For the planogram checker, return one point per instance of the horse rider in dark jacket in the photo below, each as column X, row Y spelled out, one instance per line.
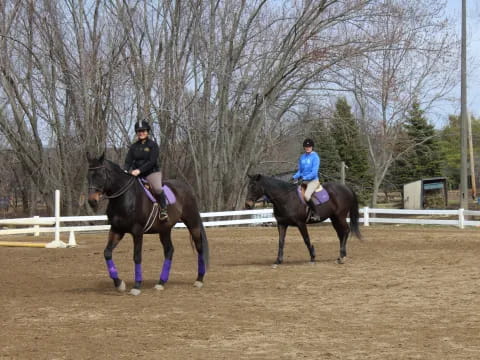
column 142, row 160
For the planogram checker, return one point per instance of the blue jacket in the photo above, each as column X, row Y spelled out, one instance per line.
column 308, row 166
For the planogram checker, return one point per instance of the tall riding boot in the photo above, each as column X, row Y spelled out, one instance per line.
column 162, row 203
column 314, row 217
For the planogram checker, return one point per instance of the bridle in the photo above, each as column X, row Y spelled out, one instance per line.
column 119, row 193
column 260, row 197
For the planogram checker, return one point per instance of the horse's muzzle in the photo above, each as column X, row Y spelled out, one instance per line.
column 249, row 204
column 93, row 199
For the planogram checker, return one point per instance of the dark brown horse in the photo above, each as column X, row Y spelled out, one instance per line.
column 130, row 210
column 290, row 210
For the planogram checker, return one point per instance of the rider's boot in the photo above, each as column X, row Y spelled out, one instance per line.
column 162, row 203
column 314, row 217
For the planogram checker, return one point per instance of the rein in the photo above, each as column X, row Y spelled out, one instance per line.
column 120, row 192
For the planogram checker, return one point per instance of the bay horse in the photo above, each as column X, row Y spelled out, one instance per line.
column 290, row 210
column 130, row 210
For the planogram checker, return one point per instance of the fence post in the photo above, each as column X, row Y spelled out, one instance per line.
column 365, row 216
column 57, row 243
column 36, row 226
column 461, row 219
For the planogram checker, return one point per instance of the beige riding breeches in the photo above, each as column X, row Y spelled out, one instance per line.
column 155, row 181
column 311, row 186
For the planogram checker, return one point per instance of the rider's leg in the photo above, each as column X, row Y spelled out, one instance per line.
column 162, row 202
column 155, row 181
column 311, row 186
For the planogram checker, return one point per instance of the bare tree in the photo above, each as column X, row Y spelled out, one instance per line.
column 220, row 80
column 252, row 65
column 56, row 77
column 416, row 63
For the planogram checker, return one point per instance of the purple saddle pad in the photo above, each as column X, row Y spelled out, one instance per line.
column 318, row 197
column 169, row 194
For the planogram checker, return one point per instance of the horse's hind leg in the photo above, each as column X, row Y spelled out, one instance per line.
column 168, row 249
column 343, row 231
column 306, row 239
column 113, row 240
column 199, row 238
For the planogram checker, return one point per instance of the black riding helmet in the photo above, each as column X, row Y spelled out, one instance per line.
column 142, row 125
column 308, row 142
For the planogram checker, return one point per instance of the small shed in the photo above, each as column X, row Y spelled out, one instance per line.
column 426, row 194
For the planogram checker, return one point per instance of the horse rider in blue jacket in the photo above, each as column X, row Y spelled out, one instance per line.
column 308, row 167
column 142, row 160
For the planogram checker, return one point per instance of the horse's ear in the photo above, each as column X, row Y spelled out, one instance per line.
column 257, row 177
column 102, row 157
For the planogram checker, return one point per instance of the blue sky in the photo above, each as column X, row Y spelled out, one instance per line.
column 454, row 10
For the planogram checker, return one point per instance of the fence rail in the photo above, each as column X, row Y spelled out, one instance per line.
column 56, row 224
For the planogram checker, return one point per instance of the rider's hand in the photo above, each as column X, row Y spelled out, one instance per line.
column 135, row 172
column 296, row 181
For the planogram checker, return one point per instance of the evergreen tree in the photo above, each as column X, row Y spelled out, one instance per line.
column 450, row 147
column 351, row 149
column 420, row 145
column 326, row 148
column 425, row 159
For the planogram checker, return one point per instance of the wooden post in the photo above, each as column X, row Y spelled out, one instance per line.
column 342, row 172
column 472, row 158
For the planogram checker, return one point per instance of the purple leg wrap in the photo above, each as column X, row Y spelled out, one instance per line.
column 201, row 265
column 166, row 270
column 138, row 272
column 112, row 270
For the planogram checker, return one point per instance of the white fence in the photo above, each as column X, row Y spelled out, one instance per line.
column 57, row 224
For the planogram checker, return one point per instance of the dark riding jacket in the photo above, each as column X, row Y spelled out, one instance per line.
column 143, row 155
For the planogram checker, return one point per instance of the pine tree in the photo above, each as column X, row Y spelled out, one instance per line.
column 421, row 153
column 352, row 151
column 450, row 148
column 425, row 158
column 326, row 148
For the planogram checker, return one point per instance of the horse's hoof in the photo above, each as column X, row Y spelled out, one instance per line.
column 274, row 266
column 135, row 292
column 122, row 287
column 159, row 287
column 340, row 261
column 312, row 262
column 198, row 284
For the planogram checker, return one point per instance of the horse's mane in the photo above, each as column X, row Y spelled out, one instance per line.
column 114, row 166
column 277, row 183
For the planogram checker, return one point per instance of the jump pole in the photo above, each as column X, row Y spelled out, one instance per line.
column 57, row 243
column 22, row 244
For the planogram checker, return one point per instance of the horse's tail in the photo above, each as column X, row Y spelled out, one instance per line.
column 205, row 249
column 354, row 217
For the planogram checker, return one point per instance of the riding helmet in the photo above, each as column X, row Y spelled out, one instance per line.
column 308, row 142
column 142, row 125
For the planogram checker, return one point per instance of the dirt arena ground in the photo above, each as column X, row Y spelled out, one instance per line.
column 404, row 293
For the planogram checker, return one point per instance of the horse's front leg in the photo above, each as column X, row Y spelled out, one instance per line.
column 282, row 231
column 306, row 239
column 165, row 238
column 137, row 259
column 113, row 240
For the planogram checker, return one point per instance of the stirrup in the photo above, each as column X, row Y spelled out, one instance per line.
column 163, row 215
column 312, row 217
